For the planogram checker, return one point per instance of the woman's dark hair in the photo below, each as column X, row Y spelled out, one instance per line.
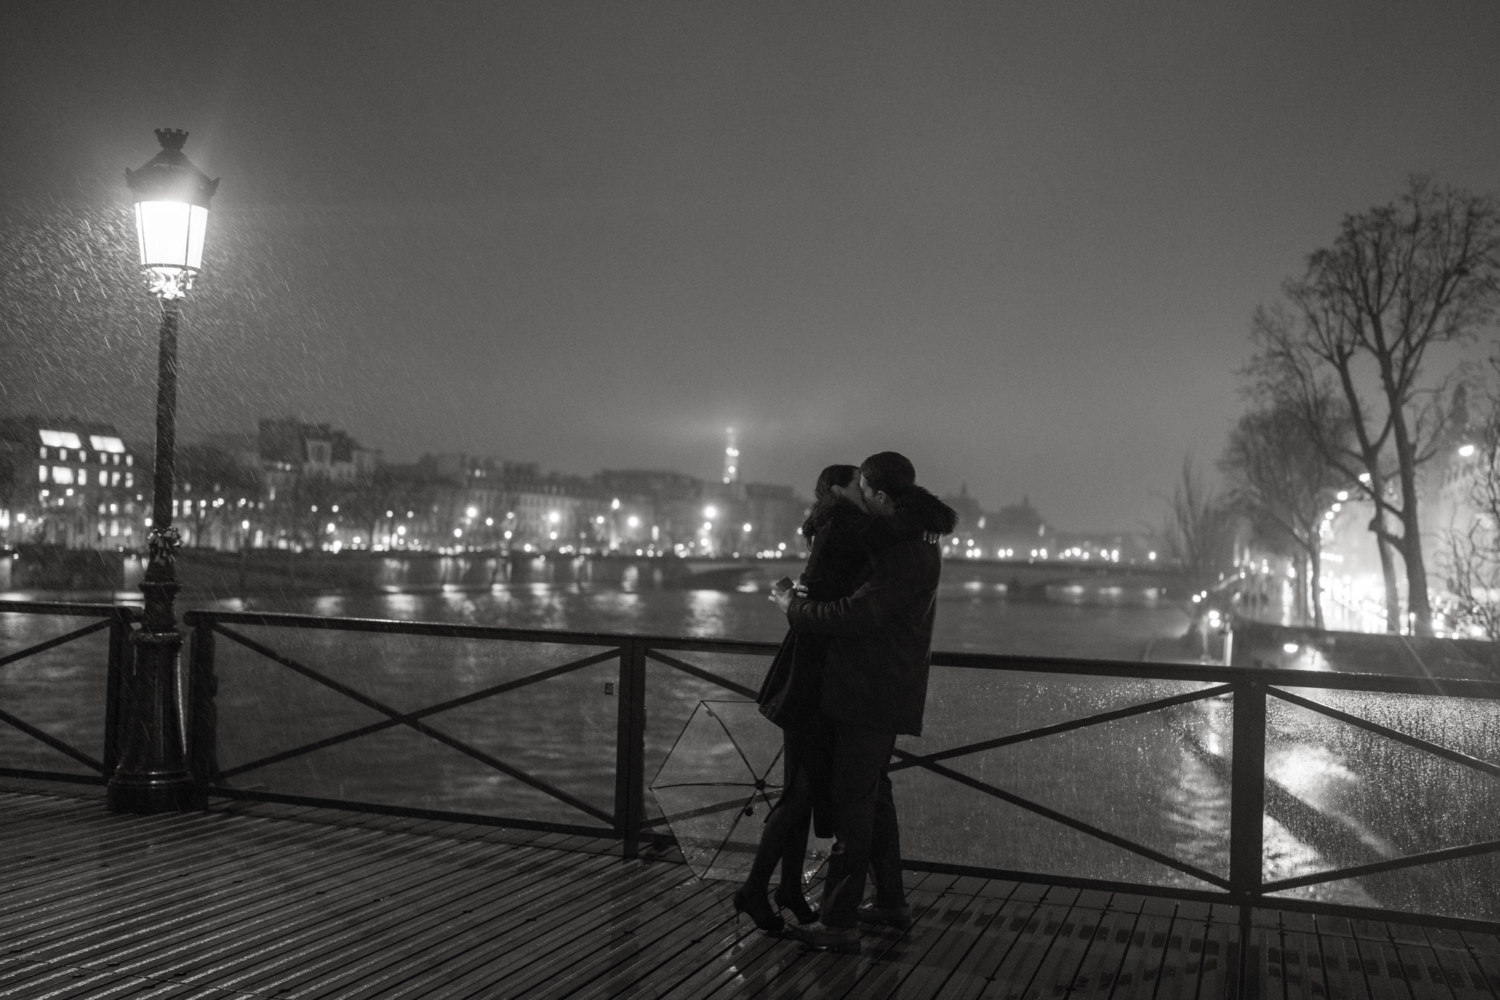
column 834, row 475
column 824, row 498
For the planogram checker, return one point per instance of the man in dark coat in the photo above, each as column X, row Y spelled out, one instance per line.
column 874, row 688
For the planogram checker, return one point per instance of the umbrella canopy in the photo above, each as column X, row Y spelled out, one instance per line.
column 718, row 784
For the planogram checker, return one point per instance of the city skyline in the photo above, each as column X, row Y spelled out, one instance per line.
column 1021, row 246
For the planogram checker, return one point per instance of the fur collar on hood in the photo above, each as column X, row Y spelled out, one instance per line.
column 917, row 510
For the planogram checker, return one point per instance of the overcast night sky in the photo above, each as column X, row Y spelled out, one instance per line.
column 1019, row 242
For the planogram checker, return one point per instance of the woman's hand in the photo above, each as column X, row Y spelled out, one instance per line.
column 783, row 598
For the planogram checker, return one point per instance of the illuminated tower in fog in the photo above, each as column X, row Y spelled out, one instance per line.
column 731, row 458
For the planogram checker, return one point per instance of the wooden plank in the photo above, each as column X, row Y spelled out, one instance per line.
column 1219, row 978
column 1302, row 963
column 68, row 922
column 616, row 955
column 1343, row 972
column 168, row 975
column 697, row 943
column 1141, row 963
column 1071, row 940
column 589, row 935
column 739, row 951
column 970, row 921
column 1100, row 966
column 1424, row 975
column 551, row 920
column 972, row 973
column 1383, row 971
column 1484, row 956
column 269, row 885
column 297, row 943
column 165, row 861
column 915, row 961
column 1183, row 967
column 1015, row 970
column 158, row 885
column 490, row 906
column 586, row 941
column 1463, row 975
column 485, row 910
column 834, row 974
column 190, row 935
column 43, row 856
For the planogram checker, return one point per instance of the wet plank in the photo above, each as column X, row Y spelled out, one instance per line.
column 259, row 900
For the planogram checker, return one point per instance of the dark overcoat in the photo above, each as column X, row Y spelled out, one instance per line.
column 875, row 668
column 839, row 560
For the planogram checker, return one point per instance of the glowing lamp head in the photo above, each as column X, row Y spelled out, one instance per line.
column 171, row 198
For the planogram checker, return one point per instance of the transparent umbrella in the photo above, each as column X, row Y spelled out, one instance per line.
column 717, row 785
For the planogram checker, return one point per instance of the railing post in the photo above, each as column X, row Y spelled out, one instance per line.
column 1247, row 803
column 630, row 747
column 119, row 649
column 1247, row 806
column 203, row 712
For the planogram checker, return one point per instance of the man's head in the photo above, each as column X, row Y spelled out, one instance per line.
column 883, row 479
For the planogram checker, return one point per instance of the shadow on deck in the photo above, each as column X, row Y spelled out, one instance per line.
column 257, row 900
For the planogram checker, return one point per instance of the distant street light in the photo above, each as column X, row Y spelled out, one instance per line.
column 171, row 198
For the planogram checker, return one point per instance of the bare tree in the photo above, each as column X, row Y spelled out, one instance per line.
column 1400, row 278
column 1282, row 482
column 1471, row 557
column 1200, row 530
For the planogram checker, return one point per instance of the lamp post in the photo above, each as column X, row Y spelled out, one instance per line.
column 171, row 215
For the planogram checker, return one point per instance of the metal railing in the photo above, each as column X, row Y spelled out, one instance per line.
column 117, row 620
column 1250, row 689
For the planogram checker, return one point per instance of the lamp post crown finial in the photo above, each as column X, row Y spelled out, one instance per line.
column 171, row 138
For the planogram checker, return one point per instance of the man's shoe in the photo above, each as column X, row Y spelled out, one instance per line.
column 820, row 935
column 892, row 916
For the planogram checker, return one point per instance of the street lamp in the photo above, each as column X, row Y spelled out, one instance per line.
column 171, row 198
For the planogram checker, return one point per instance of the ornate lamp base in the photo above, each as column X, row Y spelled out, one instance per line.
column 152, row 774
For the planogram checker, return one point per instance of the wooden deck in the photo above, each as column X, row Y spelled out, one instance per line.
column 275, row 901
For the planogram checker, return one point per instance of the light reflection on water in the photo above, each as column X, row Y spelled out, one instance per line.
column 1336, row 795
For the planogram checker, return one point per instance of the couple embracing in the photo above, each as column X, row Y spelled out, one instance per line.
column 849, row 678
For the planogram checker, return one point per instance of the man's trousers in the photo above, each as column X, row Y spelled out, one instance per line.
column 864, row 822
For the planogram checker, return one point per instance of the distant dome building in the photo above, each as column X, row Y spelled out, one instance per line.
column 1014, row 532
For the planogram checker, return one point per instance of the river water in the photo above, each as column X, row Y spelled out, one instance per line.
column 1336, row 795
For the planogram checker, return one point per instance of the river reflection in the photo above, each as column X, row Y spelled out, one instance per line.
column 1336, row 795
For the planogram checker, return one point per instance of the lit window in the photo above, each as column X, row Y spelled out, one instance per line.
column 129, row 480
column 44, row 451
column 83, row 477
column 60, row 439
column 129, row 459
column 41, row 473
column 110, row 444
column 62, row 474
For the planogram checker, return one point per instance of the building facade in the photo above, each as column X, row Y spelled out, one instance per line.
column 69, row 482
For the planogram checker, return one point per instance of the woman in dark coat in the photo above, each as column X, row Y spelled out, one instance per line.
column 838, row 531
